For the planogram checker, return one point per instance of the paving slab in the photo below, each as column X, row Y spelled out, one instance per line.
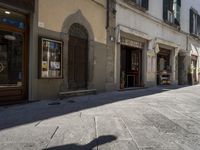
column 26, row 137
column 160, row 118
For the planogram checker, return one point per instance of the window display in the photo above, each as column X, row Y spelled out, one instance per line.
column 51, row 58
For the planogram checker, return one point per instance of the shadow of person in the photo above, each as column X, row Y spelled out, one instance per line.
column 94, row 143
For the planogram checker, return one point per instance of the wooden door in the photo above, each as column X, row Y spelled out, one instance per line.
column 77, row 64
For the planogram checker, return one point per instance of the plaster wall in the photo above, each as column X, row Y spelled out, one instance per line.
column 53, row 19
column 140, row 21
column 156, row 11
column 52, row 14
column 185, row 13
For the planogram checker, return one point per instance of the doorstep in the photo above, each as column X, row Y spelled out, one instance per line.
column 132, row 88
column 68, row 94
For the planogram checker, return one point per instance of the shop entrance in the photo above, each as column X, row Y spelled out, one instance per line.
column 131, row 67
column 77, row 57
column 163, row 67
column 13, row 57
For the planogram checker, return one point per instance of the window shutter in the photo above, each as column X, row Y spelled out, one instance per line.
column 179, row 3
column 177, row 12
column 165, row 9
column 145, row 4
column 170, row 5
column 191, row 20
column 198, row 25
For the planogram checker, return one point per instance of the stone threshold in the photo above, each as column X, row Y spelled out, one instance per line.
column 68, row 94
column 132, row 88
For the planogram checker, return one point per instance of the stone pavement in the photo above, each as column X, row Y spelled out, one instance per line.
column 160, row 118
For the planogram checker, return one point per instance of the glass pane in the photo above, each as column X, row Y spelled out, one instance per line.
column 78, row 30
column 11, row 46
column 51, row 58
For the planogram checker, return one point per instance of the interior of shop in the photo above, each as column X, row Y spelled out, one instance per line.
column 131, row 67
column 163, row 67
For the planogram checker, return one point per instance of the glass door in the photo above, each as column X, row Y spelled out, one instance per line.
column 11, row 46
column 13, row 56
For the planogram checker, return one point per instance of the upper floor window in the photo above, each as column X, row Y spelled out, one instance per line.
column 171, row 11
column 194, row 22
column 141, row 3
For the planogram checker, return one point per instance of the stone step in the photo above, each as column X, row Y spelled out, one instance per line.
column 68, row 94
column 132, row 88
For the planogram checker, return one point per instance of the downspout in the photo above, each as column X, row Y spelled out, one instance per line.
column 107, row 14
column 187, row 44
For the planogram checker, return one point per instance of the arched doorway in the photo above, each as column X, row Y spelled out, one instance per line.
column 77, row 57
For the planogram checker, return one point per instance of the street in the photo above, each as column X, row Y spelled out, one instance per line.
column 158, row 118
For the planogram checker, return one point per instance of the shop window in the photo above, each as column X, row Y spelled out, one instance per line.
column 194, row 22
column 143, row 4
column 171, row 11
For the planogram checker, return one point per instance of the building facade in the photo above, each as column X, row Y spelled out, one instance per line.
column 50, row 47
column 155, row 44
column 81, row 28
column 191, row 25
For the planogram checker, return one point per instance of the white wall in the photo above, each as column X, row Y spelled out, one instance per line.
column 154, row 10
column 185, row 13
column 149, row 24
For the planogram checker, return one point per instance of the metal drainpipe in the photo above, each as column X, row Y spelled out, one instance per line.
column 107, row 14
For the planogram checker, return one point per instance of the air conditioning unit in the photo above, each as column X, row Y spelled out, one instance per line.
column 170, row 16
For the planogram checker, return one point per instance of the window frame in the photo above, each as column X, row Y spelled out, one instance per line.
column 174, row 8
column 194, row 19
column 194, row 23
column 142, row 5
column 41, row 49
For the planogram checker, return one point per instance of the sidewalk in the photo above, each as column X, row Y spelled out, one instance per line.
column 160, row 118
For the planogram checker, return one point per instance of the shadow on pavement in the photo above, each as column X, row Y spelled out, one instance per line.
column 95, row 143
column 38, row 111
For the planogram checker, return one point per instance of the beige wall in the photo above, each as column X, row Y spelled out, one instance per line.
column 52, row 14
column 56, row 16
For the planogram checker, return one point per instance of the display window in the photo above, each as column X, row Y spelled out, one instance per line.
column 50, row 58
column 13, row 56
